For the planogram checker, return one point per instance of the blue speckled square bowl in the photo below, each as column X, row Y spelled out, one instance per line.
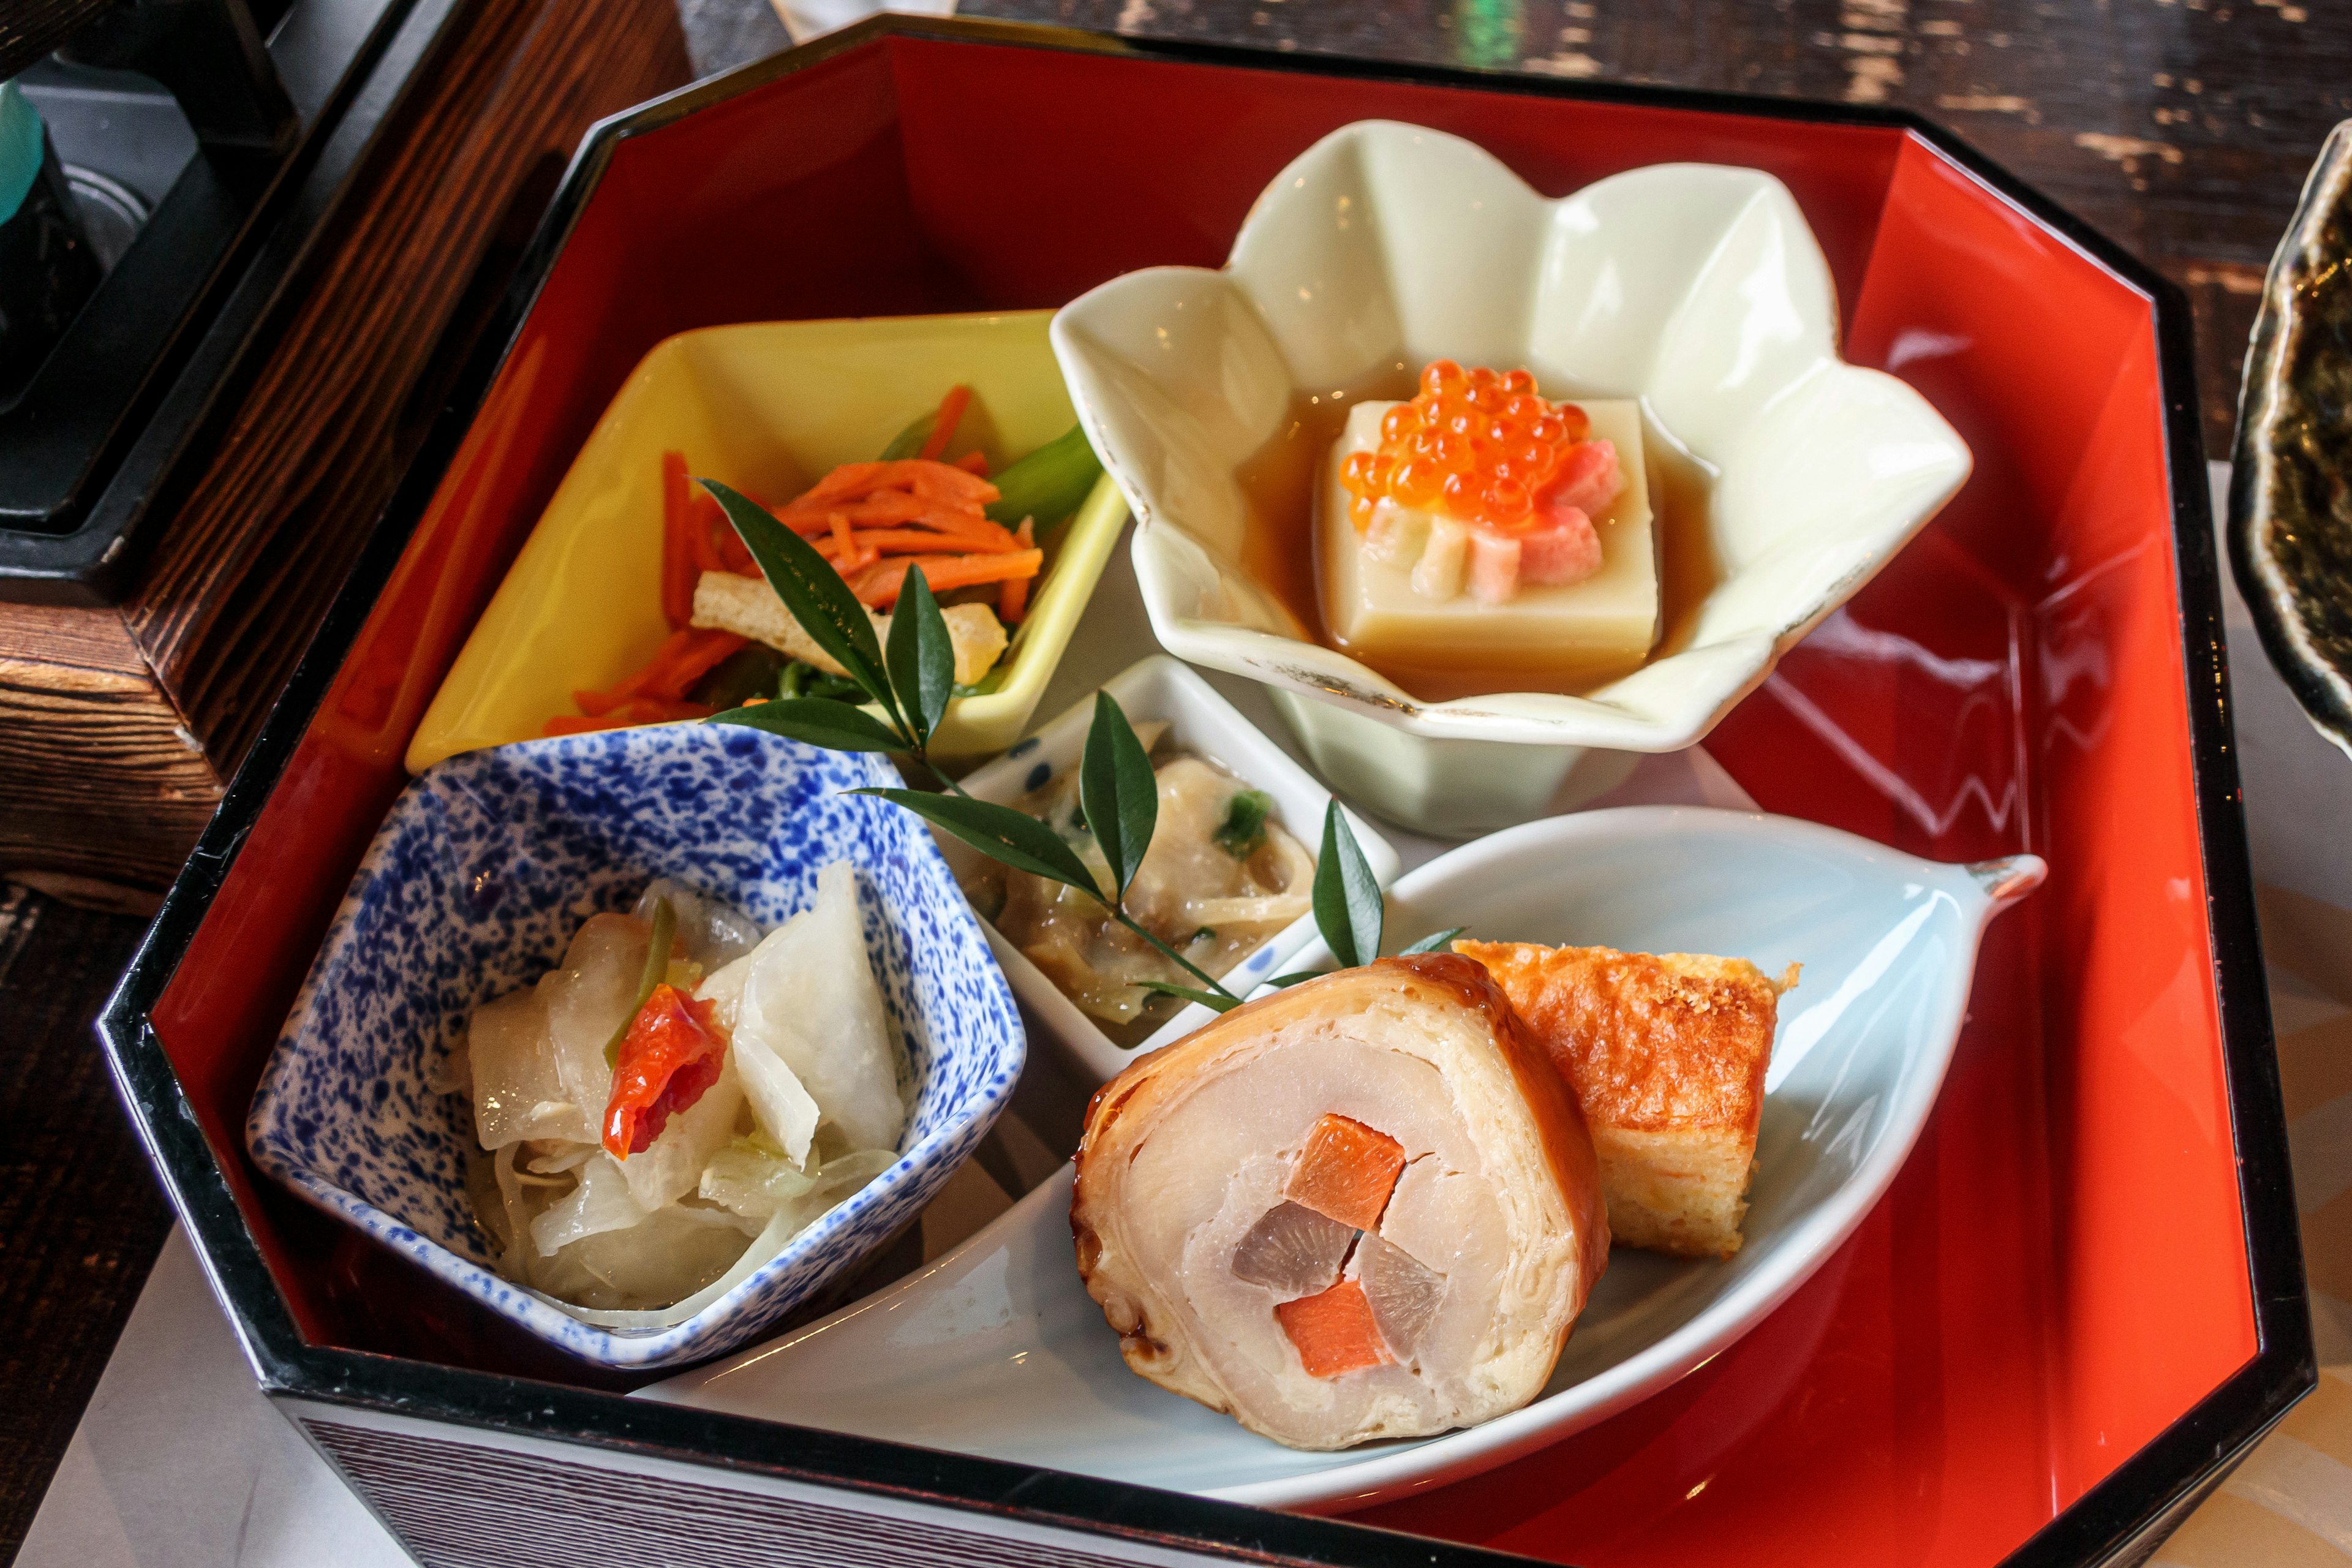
column 482, row 870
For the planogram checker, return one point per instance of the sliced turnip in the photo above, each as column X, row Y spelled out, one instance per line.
column 1292, row 1251
column 1403, row 1293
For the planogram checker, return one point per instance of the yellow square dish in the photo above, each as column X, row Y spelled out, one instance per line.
column 768, row 407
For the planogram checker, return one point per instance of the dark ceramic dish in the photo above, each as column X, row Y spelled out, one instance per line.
column 2291, row 489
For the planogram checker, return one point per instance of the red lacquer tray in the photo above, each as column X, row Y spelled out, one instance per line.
column 2083, row 1298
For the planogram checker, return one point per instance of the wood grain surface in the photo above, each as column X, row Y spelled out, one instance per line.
column 31, row 29
column 133, row 718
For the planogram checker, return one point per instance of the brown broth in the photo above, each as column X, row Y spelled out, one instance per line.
column 1278, row 481
column 1277, row 484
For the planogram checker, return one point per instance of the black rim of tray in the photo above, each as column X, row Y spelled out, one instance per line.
column 2147, row 1493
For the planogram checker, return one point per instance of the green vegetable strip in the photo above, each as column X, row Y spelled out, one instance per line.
column 908, row 442
column 1047, row 485
column 656, row 965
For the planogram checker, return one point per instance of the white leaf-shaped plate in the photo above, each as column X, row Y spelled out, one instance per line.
column 996, row 1350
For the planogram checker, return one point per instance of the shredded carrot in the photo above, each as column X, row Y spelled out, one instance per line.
column 875, row 542
column 735, row 556
column 944, row 426
column 683, row 658
column 846, row 556
column 710, row 648
column 705, row 523
column 1012, row 599
column 851, row 481
column 652, row 677
column 730, row 554
column 975, row 531
column 877, row 585
column 658, row 690
column 871, row 521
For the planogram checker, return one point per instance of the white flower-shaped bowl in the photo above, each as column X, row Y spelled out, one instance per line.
column 1694, row 287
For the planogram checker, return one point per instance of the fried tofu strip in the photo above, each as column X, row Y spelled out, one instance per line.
column 749, row 607
column 1666, row 1053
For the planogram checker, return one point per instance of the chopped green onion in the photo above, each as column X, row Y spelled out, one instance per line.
column 1243, row 833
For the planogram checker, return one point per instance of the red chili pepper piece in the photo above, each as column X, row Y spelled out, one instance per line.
column 671, row 1053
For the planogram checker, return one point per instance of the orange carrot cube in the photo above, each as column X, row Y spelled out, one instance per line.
column 1334, row 1331
column 1346, row 1172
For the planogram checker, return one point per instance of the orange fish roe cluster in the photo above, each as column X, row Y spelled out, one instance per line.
column 1475, row 445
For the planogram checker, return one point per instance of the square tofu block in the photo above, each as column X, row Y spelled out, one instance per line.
column 1542, row 638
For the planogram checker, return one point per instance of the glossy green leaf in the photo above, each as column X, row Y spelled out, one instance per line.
column 812, row 591
column 1047, row 485
column 817, row 721
column 1010, row 837
column 1434, row 941
column 1117, row 790
column 1217, row 1001
column 665, row 933
column 1284, row 982
column 921, row 656
column 1347, row 896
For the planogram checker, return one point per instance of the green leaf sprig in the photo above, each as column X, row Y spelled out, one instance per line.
column 892, row 698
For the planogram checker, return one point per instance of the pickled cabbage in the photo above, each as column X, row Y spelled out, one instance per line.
column 808, row 1106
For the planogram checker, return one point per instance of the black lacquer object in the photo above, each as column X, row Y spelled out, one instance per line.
column 46, row 271
column 230, row 132
column 2290, row 489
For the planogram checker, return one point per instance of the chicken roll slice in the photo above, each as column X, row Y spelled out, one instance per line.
column 1363, row 1207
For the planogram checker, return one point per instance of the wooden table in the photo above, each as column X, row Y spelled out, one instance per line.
column 2181, row 127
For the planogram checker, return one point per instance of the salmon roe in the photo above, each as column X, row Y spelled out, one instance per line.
column 1474, row 445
